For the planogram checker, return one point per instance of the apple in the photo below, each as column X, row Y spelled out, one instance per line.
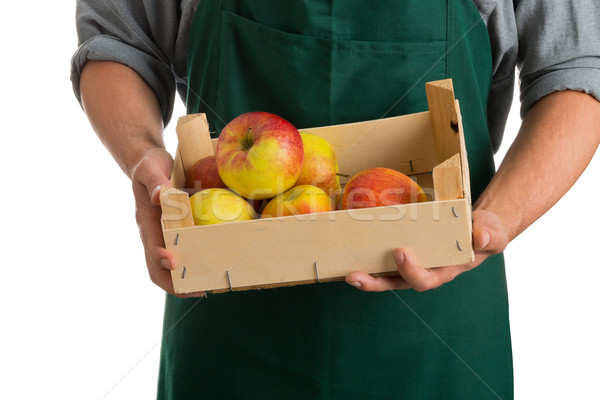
column 204, row 175
column 217, row 205
column 302, row 199
column 376, row 187
column 320, row 165
column 259, row 155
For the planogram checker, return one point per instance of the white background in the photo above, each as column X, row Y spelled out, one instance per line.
column 81, row 319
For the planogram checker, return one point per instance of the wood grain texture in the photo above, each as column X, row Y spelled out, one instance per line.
column 447, row 179
column 282, row 250
column 444, row 118
column 194, row 139
column 176, row 208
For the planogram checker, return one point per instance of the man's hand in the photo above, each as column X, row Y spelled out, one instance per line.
column 126, row 115
column 489, row 237
column 148, row 176
column 557, row 140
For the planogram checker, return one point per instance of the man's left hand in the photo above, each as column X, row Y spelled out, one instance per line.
column 489, row 237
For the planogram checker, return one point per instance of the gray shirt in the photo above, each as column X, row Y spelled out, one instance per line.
column 554, row 44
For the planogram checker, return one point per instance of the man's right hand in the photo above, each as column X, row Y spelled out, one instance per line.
column 126, row 115
column 149, row 174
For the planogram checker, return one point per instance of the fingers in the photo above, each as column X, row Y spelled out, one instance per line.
column 368, row 283
column 422, row 279
column 149, row 174
column 160, row 275
column 162, row 278
column 411, row 275
column 489, row 237
column 158, row 260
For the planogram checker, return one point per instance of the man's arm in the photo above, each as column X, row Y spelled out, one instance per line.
column 125, row 114
column 556, row 142
column 122, row 110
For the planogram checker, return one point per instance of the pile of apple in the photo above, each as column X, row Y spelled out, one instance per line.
column 263, row 167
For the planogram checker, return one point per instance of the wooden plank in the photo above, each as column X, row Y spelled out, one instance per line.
column 447, row 179
column 194, row 139
column 463, row 156
column 274, row 251
column 176, row 213
column 403, row 143
column 176, row 208
column 465, row 168
column 444, row 118
column 178, row 172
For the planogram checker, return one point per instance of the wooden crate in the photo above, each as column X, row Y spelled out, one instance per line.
column 429, row 146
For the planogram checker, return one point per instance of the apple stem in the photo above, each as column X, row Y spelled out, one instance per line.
column 344, row 175
column 248, row 140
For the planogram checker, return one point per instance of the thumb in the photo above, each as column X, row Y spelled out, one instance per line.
column 488, row 233
column 481, row 239
column 153, row 171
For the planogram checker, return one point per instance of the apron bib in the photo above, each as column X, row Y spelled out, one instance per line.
column 318, row 63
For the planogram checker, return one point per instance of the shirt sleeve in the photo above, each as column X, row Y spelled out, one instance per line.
column 559, row 47
column 499, row 16
column 143, row 35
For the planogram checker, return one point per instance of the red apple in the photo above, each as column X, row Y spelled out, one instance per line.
column 259, row 155
column 204, row 175
column 376, row 187
column 302, row 199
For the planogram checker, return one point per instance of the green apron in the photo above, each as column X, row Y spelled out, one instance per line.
column 316, row 63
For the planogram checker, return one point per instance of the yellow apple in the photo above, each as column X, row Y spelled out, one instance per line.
column 216, row 205
column 320, row 165
column 302, row 199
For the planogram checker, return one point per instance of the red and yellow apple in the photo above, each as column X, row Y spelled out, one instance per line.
column 302, row 199
column 259, row 155
column 204, row 175
column 217, row 205
column 376, row 187
column 320, row 165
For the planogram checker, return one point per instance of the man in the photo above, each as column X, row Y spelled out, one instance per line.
column 341, row 63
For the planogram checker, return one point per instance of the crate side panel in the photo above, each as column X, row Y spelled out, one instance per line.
column 403, row 143
column 409, row 145
column 282, row 250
